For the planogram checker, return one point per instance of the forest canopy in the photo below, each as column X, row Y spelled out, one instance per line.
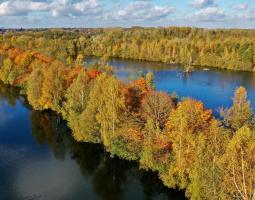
column 181, row 140
column 222, row 48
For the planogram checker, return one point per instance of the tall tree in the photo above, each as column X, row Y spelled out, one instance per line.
column 77, row 95
column 150, row 80
column 184, row 126
column 206, row 173
column 110, row 107
column 52, row 87
column 240, row 113
column 6, row 71
column 34, row 88
column 238, row 164
column 157, row 106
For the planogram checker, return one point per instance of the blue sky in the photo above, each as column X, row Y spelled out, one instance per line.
column 105, row 13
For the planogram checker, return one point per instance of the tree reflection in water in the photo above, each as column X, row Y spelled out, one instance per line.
column 110, row 177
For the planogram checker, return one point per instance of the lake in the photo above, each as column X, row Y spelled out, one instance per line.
column 214, row 87
column 40, row 160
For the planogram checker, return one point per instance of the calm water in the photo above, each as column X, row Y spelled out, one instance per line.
column 215, row 87
column 40, row 160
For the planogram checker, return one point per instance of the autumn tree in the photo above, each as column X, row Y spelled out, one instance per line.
column 7, row 74
column 156, row 150
column 72, row 49
column 127, row 141
column 238, row 165
column 240, row 113
column 206, row 173
column 80, row 59
column 184, row 126
column 34, row 88
column 110, row 106
column 132, row 97
column 150, row 80
column 157, row 106
column 101, row 115
column 77, row 95
column 52, row 87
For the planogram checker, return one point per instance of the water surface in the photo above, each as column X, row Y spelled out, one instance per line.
column 214, row 87
column 40, row 160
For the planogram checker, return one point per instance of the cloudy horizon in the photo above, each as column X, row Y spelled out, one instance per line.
column 126, row 13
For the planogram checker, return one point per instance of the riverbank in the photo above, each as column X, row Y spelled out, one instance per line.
column 221, row 48
column 183, row 142
column 40, row 152
column 219, row 85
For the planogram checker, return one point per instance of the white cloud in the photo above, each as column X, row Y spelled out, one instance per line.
column 55, row 7
column 202, row 3
column 42, row 178
column 81, row 8
column 248, row 14
column 210, row 14
column 20, row 7
column 241, row 6
column 140, row 11
column 101, row 13
column 244, row 12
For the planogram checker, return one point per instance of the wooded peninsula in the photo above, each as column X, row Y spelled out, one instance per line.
column 180, row 139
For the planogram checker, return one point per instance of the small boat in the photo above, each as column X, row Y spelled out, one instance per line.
column 206, row 69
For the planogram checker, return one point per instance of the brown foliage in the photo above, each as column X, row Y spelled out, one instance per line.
column 93, row 73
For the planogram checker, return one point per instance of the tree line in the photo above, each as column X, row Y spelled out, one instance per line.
column 181, row 140
column 221, row 48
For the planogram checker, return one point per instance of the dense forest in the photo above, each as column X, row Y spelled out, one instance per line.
column 228, row 49
column 181, row 140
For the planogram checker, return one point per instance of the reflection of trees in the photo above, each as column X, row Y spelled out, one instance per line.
column 153, row 187
column 185, row 77
column 11, row 95
column 47, row 130
column 108, row 175
column 8, row 93
column 87, row 156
